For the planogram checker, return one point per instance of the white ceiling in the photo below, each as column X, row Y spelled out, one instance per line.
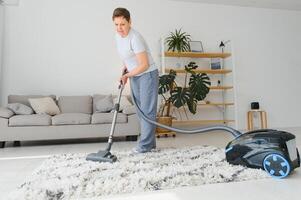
column 274, row 4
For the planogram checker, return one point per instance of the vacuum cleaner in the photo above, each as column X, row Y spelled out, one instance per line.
column 106, row 155
column 271, row 150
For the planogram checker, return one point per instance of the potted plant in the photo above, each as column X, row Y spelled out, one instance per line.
column 180, row 96
column 178, row 41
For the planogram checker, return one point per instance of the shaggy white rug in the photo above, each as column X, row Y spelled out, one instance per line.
column 71, row 176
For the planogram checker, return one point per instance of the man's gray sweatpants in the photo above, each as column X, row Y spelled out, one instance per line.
column 145, row 90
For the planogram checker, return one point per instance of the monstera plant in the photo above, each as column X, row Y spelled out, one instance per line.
column 195, row 88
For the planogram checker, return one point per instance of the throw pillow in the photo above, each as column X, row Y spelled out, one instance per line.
column 104, row 104
column 20, row 109
column 45, row 105
column 129, row 110
column 124, row 102
column 6, row 113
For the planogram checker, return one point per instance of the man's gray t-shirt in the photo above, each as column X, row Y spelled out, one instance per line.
column 131, row 45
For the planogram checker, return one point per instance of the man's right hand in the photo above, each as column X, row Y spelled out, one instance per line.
column 123, row 79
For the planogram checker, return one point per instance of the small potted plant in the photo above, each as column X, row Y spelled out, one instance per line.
column 188, row 95
column 178, row 41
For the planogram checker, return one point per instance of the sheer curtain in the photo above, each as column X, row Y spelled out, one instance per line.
column 1, row 49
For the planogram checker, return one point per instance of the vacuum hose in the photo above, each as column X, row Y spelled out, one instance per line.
column 234, row 132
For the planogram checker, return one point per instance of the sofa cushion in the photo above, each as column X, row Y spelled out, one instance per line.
column 104, row 104
column 30, row 120
column 107, row 118
column 20, row 109
column 96, row 98
column 24, row 98
column 45, row 105
column 6, row 113
column 71, row 118
column 75, row 104
column 129, row 110
column 124, row 102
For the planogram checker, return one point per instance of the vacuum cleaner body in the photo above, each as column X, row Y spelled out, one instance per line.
column 272, row 150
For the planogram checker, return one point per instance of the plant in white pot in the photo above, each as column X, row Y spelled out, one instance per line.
column 178, row 41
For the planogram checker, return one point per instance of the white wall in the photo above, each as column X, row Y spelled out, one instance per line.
column 66, row 47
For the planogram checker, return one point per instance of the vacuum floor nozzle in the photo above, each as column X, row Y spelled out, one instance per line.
column 102, row 156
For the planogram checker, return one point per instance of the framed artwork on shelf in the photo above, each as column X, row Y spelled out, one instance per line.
column 196, row 46
column 215, row 63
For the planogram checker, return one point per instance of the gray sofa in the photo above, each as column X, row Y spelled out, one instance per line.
column 78, row 119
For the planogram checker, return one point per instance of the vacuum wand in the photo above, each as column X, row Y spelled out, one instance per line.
column 116, row 110
column 106, row 155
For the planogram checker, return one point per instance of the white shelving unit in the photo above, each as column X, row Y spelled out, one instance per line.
column 220, row 105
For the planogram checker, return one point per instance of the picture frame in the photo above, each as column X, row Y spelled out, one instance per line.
column 215, row 63
column 196, row 46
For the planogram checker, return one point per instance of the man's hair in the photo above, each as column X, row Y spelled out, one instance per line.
column 121, row 12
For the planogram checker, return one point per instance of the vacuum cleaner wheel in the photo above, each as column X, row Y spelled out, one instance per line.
column 276, row 165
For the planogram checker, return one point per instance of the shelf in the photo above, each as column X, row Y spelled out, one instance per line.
column 191, row 122
column 207, row 71
column 216, row 104
column 220, row 87
column 223, row 89
column 196, row 54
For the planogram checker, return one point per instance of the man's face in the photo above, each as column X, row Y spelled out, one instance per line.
column 122, row 26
